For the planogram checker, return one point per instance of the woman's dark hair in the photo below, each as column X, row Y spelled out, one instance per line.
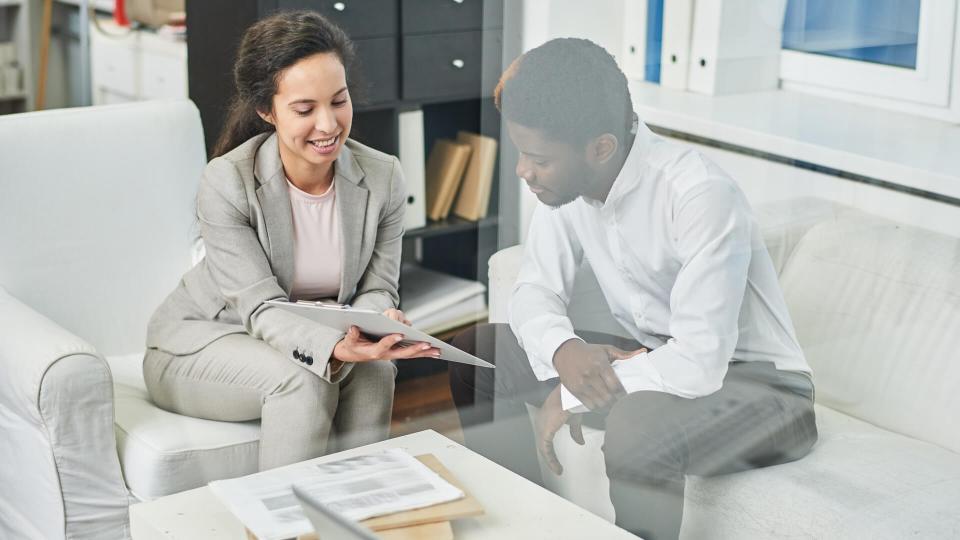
column 270, row 46
column 570, row 88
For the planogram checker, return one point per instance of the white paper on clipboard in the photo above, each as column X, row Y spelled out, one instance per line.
column 374, row 324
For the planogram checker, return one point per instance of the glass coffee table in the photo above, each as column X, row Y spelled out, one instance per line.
column 514, row 507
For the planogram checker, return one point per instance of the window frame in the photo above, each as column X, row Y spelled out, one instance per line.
column 930, row 89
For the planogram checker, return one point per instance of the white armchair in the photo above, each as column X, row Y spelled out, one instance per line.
column 97, row 219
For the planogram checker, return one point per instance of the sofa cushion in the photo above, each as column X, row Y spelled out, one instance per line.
column 860, row 481
column 876, row 306
column 162, row 452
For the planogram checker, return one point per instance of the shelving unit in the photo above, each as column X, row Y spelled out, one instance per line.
column 18, row 23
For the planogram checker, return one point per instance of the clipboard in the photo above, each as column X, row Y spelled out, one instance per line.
column 375, row 325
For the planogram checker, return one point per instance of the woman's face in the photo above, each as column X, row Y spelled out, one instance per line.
column 312, row 113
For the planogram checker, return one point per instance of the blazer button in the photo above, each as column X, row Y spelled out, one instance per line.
column 296, row 354
column 309, row 360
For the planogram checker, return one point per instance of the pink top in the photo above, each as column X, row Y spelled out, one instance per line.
column 316, row 244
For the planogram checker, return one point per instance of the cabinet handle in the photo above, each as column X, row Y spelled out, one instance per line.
column 457, row 63
column 339, row 6
column 457, row 1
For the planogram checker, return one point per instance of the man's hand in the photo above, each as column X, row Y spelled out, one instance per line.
column 586, row 372
column 549, row 420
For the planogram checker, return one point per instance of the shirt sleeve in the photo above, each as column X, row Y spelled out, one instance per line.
column 712, row 231
column 538, row 307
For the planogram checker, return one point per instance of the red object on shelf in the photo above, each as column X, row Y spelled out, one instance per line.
column 120, row 13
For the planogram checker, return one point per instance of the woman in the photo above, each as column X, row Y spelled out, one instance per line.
column 290, row 208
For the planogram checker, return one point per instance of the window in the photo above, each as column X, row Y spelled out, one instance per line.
column 895, row 49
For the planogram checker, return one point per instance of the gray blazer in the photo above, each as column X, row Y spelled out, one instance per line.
column 246, row 223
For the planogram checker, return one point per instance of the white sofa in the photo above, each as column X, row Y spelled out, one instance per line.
column 876, row 305
column 97, row 219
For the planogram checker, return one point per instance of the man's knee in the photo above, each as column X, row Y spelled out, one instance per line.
column 642, row 437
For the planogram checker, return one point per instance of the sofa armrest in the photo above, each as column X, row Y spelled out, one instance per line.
column 61, row 476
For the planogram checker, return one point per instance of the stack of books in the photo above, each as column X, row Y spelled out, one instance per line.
column 435, row 302
column 459, row 177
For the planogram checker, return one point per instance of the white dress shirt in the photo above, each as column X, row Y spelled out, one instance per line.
column 681, row 262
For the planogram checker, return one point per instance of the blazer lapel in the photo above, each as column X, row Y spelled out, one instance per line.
column 275, row 204
column 352, row 211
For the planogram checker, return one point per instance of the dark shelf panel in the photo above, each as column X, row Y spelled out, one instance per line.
column 452, row 224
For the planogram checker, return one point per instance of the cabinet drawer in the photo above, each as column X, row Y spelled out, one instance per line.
column 461, row 65
column 378, row 69
column 421, row 16
column 359, row 18
column 163, row 76
column 114, row 66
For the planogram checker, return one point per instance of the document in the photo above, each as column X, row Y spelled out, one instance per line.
column 357, row 488
column 375, row 325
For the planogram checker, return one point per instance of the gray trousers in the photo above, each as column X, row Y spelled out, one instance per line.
column 760, row 417
column 238, row 378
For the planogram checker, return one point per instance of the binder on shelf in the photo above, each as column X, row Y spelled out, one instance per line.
column 410, row 127
column 654, row 40
column 675, row 46
column 634, row 46
column 435, row 301
column 735, row 46
column 444, row 172
column 473, row 200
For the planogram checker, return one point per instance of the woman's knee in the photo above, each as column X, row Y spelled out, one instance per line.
column 380, row 373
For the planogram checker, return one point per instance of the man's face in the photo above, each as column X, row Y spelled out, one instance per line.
column 556, row 172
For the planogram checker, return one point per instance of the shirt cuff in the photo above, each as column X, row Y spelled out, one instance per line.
column 570, row 403
column 552, row 339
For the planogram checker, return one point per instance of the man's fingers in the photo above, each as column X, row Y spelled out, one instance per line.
column 576, row 429
column 545, row 445
column 587, row 395
column 602, row 394
column 613, row 383
column 619, row 354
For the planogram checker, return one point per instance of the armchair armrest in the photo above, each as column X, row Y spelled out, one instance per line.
column 61, row 475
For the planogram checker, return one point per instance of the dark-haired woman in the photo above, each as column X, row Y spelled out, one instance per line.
column 290, row 208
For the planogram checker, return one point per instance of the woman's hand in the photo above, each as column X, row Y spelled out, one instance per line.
column 354, row 347
column 397, row 315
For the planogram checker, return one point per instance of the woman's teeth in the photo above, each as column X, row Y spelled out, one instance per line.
column 325, row 143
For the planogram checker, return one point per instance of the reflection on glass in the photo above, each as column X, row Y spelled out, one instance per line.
column 878, row 31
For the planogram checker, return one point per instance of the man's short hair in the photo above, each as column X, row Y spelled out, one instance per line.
column 570, row 88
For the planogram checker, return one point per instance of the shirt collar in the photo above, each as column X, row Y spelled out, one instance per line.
column 629, row 174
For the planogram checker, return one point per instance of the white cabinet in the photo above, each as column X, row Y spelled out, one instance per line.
column 135, row 65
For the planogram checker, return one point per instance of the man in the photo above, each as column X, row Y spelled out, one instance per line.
column 713, row 380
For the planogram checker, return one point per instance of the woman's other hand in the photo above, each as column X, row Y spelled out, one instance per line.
column 397, row 315
column 355, row 347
